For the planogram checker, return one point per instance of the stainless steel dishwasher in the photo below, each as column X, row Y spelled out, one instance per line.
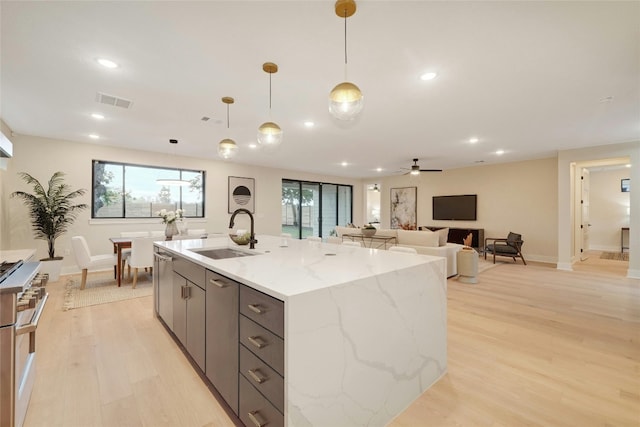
column 163, row 285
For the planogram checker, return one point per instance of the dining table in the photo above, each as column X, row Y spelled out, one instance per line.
column 120, row 243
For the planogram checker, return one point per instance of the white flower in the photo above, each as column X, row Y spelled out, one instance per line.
column 169, row 217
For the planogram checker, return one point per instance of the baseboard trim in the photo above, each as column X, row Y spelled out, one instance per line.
column 565, row 266
column 633, row 274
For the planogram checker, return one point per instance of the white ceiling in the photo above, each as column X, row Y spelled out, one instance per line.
column 529, row 78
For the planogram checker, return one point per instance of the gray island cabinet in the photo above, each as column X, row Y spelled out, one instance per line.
column 309, row 334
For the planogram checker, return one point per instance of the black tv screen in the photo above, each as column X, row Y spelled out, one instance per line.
column 455, row 208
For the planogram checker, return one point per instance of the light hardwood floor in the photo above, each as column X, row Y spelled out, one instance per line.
column 528, row 346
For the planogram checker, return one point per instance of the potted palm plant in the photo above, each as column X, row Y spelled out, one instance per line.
column 52, row 212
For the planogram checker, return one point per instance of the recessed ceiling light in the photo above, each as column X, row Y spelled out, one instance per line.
column 473, row 140
column 97, row 116
column 107, row 63
column 253, row 145
column 428, row 76
column 309, row 124
column 94, row 136
column 344, row 164
column 628, row 165
column 500, row 152
column 378, row 169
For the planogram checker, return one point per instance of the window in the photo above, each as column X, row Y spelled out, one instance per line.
column 122, row 190
column 314, row 208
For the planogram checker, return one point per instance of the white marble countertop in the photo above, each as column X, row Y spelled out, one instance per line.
column 298, row 268
column 16, row 255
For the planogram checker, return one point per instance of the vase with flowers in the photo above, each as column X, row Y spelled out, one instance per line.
column 169, row 218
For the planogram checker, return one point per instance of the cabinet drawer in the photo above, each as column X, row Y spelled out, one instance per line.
column 264, row 344
column 255, row 410
column 262, row 377
column 262, row 309
column 190, row 271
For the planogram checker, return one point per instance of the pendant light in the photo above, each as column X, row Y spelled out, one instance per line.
column 171, row 182
column 345, row 100
column 269, row 133
column 227, row 148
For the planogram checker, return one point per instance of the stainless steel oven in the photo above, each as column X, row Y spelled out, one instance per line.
column 22, row 300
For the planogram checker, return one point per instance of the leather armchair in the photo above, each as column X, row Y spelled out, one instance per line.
column 509, row 247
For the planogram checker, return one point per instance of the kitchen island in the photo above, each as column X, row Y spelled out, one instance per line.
column 363, row 334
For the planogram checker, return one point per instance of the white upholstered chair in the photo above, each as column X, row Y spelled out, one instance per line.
column 348, row 243
column 334, row 239
column 402, row 249
column 196, row 232
column 141, row 256
column 86, row 261
column 157, row 233
column 287, row 235
column 314, row 239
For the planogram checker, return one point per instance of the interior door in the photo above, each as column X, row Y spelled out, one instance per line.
column 584, row 213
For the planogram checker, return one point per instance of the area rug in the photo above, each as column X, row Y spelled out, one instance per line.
column 102, row 290
column 484, row 265
column 617, row 256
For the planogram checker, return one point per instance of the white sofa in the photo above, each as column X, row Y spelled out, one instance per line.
column 424, row 242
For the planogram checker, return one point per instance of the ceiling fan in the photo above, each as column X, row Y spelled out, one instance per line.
column 415, row 169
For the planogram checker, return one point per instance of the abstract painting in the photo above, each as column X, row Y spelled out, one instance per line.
column 403, row 208
column 241, row 193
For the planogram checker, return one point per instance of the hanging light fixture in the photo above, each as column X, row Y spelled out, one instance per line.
column 375, row 188
column 345, row 100
column 227, row 148
column 269, row 133
column 172, row 181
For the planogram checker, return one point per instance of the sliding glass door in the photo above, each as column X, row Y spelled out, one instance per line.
column 314, row 208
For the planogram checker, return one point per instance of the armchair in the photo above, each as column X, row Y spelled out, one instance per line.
column 509, row 247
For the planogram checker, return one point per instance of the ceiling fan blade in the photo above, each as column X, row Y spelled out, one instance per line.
column 430, row 170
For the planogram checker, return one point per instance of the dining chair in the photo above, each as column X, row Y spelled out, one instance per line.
column 157, row 233
column 287, row 235
column 403, row 249
column 196, row 232
column 86, row 261
column 334, row 239
column 141, row 256
column 126, row 253
column 348, row 243
column 314, row 239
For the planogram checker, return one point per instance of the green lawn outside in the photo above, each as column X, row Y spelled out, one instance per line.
column 293, row 230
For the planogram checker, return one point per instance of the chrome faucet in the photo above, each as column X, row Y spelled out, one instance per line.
column 252, row 236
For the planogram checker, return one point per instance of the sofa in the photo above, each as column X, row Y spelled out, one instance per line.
column 425, row 242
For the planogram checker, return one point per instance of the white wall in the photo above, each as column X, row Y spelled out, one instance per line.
column 519, row 197
column 608, row 209
column 41, row 157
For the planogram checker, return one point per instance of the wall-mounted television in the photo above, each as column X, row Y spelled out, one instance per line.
column 455, row 208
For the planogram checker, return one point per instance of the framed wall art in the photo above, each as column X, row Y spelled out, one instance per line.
column 403, row 208
column 241, row 194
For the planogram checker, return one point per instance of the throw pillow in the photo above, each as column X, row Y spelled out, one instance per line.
column 443, row 236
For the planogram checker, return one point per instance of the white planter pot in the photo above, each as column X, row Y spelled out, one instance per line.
column 52, row 267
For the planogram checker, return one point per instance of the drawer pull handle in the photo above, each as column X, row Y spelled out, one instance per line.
column 257, row 341
column 253, row 416
column 218, row 284
column 255, row 308
column 256, row 375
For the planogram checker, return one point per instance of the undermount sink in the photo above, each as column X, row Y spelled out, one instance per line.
column 223, row 253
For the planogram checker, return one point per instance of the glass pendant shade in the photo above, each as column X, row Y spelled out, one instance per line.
column 227, row 149
column 345, row 101
column 269, row 135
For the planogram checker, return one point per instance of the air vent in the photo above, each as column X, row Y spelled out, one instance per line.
column 103, row 98
column 205, row 118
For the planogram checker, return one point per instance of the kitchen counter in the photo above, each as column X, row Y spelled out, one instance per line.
column 365, row 329
column 16, row 255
